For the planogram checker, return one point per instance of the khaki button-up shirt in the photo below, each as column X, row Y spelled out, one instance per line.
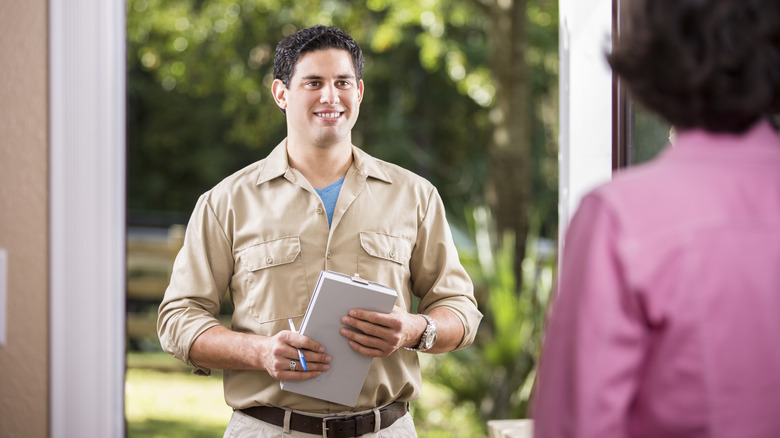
column 262, row 235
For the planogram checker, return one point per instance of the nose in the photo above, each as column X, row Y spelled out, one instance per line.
column 330, row 95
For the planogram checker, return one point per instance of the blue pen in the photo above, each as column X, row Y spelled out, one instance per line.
column 300, row 355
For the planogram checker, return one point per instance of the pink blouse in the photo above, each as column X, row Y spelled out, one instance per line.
column 667, row 319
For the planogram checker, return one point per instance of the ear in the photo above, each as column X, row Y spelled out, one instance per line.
column 360, row 91
column 279, row 92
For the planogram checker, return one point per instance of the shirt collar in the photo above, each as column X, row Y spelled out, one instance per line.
column 364, row 162
column 761, row 133
column 276, row 164
column 760, row 143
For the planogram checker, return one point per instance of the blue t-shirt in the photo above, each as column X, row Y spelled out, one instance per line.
column 329, row 195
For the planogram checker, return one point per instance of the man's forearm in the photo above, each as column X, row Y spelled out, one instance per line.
column 223, row 349
column 449, row 328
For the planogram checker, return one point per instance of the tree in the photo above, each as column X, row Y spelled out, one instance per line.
column 462, row 92
column 510, row 151
column 503, row 54
column 200, row 105
column 516, row 82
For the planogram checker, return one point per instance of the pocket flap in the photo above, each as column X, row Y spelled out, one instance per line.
column 272, row 253
column 393, row 248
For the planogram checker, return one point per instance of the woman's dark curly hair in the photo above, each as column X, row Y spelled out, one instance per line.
column 712, row 64
column 311, row 39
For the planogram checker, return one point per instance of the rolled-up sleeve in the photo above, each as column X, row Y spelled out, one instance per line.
column 438, row 277
column 200, row 278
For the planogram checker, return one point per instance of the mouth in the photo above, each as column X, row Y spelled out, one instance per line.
column 329, row 115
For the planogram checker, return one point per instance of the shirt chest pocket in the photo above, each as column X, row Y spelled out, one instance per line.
column 383, row 256
column 275, row 283
column 271, row 254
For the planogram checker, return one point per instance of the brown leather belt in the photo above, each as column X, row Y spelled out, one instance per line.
column 338, row 427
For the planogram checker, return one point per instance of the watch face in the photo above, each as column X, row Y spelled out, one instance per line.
column 430, row 339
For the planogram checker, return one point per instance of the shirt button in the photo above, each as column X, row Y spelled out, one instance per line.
column 392, row 254
column 269, row 260
column 328, row 255
column 319, row 210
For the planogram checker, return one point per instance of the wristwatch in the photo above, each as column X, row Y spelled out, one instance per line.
column 428, row 337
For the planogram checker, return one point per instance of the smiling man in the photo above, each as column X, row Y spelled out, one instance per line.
column 316, row 203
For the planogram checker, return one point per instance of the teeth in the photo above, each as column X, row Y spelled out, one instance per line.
column 329, row 115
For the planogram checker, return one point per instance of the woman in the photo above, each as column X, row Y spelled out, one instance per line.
column 667, row 318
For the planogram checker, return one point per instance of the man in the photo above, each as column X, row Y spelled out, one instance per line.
column 316, row 203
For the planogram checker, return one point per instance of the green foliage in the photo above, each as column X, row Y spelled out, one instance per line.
column 496, row 373
column 450, row 36
column 200, row 105
column 200, row 108
column 438, row 413
column 543, row 65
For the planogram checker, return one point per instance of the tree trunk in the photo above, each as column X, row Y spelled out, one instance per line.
column 509, row 184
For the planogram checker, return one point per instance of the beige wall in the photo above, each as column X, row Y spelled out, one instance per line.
column 24, row 371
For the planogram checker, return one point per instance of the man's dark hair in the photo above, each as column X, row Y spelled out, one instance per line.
column 311, row 39
column 712, row 64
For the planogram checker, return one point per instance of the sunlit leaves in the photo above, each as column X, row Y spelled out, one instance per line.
column 439, row 26
column 201, row 71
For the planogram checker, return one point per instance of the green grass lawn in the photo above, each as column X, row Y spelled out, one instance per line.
column 164, row 399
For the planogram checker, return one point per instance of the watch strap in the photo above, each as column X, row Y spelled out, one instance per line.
column 431, row 326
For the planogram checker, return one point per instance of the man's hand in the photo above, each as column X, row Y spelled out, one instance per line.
column 279, row 350
column 383, row 333
column 221, row 348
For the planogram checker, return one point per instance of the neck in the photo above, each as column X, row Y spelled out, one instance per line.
column 321, row 166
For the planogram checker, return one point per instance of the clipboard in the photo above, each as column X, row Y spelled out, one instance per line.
column 334, row 295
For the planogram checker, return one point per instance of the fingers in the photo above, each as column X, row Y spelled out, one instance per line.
column 298, row 374
column 373, row 342
column 371, row 346
column 380, row 325
column 284, row 353
column 312, row 351
column 285, row 368
column 300, row 341
column 392, row 320
column 382, row 333
column 383, row 350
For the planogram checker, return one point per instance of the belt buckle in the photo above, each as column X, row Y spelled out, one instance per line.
column 325, row 425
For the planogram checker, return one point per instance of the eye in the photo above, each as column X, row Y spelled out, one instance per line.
column 313, row 84
column 344, row 84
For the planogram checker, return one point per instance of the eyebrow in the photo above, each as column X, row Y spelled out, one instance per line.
column 309, row 77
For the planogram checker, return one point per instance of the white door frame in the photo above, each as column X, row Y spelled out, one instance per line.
column 87, row 217
column 87, row 189
column 585, row 154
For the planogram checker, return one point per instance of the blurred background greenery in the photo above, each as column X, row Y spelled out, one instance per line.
column 462, row 92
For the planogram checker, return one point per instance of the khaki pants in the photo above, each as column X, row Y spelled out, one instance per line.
column 244, row 426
